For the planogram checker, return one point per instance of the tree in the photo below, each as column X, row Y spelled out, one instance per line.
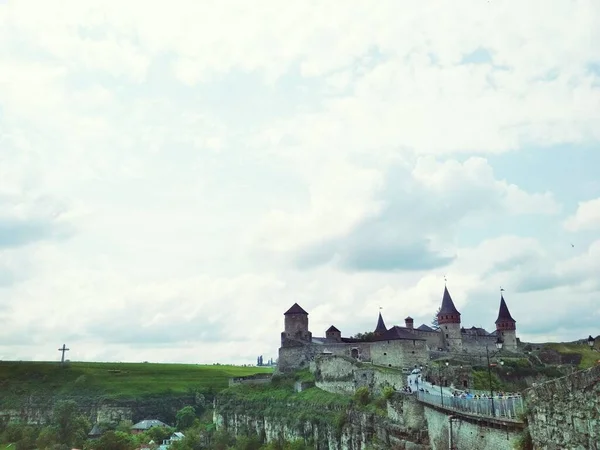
column 159, row 434
column 185, row 418
column 46, row 438
column 367, row 336
column 71, row 427
column 124, row 426
column 434, row 323
column 28, row 437
column 115, row 440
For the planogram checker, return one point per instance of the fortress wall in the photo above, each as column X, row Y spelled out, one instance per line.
column 342, row 375
column 400, row 353
column 299, row 356
column 476, row 344
column 467, row 434
column 563, row 413
column 433, row 338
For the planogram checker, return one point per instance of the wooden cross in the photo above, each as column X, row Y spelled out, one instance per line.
column 63, row 350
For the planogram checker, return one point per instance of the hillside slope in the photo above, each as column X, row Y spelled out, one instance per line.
column 113, row 380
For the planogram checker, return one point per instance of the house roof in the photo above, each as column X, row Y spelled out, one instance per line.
column 96, row 430
column 503, row 312
column 380, row 328
column 295, row 309
column 148, row 423
column 396, row 332
column 424, row 327
column 447, row 304
column 476, row 331
column 332, row 329
column 409, row 319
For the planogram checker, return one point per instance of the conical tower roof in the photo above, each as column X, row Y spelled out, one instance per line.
column 295, row 309
column 381, row 328
column 447, row 304
column 503, row 312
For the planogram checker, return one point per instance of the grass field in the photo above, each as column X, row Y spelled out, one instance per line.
column 115, row 380
column 589, row 357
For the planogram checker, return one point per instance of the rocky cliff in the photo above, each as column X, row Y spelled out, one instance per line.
column 37, row 409
column 319, row 419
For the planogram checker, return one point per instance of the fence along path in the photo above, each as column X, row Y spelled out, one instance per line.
column 507, row 408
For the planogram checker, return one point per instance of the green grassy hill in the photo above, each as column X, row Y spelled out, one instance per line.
column 114, row 380
column 589, row 357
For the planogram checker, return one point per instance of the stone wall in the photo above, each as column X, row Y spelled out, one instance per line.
column 468, row 434
column 455, row 376
column 252, row 379
column 300, row 356
column 399, row 353
column 564, row 413
column 342, row 375
column 476, row 344
column 433, row 338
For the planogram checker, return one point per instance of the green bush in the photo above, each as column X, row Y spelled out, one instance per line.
column 362, row 396
column 387, row 392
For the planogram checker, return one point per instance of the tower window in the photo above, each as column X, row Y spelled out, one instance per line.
column 446, row 334
column 384, row 354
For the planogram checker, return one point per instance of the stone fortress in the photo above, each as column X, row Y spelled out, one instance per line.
column 398, row 347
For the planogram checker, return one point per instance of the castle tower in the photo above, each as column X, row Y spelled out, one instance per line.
column 449, row 323
column 380, row 328
column 409, row 323
column 333, row 334
column 506, row 327
column 296, row 327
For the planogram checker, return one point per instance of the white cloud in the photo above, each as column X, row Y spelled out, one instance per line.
column 164, row 163
column 587, row 216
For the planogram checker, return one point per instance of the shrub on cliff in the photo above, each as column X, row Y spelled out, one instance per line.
column 362, row 396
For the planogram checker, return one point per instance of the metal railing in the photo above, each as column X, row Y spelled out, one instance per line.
column 505, row 407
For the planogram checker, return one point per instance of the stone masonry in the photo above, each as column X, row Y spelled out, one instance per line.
column 565, row 413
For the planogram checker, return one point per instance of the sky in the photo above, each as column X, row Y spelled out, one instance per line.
column 175, row 175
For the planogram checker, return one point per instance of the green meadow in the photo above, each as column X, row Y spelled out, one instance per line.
column 115, row 380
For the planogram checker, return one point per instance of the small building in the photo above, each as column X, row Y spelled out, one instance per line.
column 177, row 436
column 146, row 424
column 96, row 432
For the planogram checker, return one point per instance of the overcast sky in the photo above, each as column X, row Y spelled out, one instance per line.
column 175, row 175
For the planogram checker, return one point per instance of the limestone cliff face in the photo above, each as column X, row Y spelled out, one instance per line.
column 331, row 428
column 37, row 410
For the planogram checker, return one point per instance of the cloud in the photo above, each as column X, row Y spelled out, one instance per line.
column 406, row 222
column 174, row 176
column 587, row 216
